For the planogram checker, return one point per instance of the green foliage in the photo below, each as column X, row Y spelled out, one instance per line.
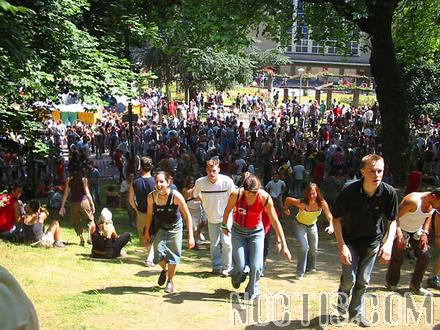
column 422, row 81
column 270, row 57
column 416, row 31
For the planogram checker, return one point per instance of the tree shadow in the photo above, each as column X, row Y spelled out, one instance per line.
column 120, row 290
column 219, row 295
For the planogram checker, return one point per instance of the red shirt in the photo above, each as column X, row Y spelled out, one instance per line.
column 7, row 212
column 413, row 181
column 248, row 216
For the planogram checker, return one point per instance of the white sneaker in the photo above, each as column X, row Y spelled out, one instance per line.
column 149, row 263
column 202, row 237
column 123, row 253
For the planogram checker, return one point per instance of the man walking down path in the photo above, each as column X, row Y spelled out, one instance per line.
column 359, row 224
column 214, row 190
column 413, row 222
column 137, row 197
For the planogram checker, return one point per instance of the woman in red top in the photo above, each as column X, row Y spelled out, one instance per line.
column 247, row 232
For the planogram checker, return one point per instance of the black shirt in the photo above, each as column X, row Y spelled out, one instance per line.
column 142, row 187
column 363, row 217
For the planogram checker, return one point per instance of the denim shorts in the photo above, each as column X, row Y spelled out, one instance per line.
column 168, row 244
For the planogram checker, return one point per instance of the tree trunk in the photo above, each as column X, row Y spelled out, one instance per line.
column 390, row 94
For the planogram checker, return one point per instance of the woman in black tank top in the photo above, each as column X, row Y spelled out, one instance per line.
column 165, row 205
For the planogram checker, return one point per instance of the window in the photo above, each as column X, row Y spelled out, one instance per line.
column 331, row 49
column 317, row 48
column 354, row 48
column 302, row 46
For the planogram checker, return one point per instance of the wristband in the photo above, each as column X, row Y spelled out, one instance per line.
column 224, row 226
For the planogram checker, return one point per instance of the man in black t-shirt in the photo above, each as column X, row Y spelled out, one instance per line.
column 137, row 197
column 359, row 221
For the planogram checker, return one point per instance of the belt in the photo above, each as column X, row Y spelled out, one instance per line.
column 308, row 226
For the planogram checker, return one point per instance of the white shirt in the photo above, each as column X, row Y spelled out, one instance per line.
column 214, row 196
column 275, row 187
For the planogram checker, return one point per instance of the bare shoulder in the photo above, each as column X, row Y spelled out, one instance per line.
column 263, row 193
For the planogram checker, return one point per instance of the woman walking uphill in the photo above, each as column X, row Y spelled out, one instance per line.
column 304, row 226
column 247, row 232
column 81, row 202
column 164, row 205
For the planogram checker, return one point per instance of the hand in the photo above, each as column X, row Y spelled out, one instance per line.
column 147, row 236
column 423, row 243
column 385, row 254
column 93, row 209
column 401, row 240
column 62, row 211
column 345, row 255
column 191, row 243
column 287, row 254
column 329, row 229
column 225, row 231
column 286, row 211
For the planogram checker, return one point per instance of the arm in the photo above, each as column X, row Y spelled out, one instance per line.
column 149, row 216
column 180, row 201
column 17, row 213
column 231, row 203
column 291, row 201
column 344, row 251
column 329, row 229
column 437, row 230
column 88, row 194
column 131, row 199
column 270, row 209
column 66, row 192
column 423, row 243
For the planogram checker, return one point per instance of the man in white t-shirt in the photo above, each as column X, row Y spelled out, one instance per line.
column 298, row 179
column 214, row 190
column 275, row 188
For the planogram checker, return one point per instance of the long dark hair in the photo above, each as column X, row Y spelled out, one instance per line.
column 319, row 197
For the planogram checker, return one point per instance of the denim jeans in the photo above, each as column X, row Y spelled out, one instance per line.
column 247, row 250
column 220, row 248
column 355, row 278
column 297, row 188
column 308, row 246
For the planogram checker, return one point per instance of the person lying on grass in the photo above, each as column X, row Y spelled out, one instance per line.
column 106, row 243
column 33, row 226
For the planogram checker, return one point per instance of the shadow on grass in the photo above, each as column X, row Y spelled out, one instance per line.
column 219, row 295
column 121, row 260
column 120, row 290
column 316, row 323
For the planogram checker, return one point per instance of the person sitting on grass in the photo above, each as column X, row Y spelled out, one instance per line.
column 33, row 226
column 106, row 243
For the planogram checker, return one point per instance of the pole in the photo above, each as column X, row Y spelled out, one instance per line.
column 131, row 163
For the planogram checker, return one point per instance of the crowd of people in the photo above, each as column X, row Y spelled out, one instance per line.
column 238, row 182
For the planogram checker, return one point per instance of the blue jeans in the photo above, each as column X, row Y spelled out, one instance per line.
column 297, row 187
column 355, row 278
column 220, row 248
column 308, row 246
column 168, row 244
column 247, row 250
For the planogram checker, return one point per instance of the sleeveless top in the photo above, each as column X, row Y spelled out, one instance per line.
column 308, row 218
column 77, row 192
column 248, row 216
column 412, row 222
column 168, row 215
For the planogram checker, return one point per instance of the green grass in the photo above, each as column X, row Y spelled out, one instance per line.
column 70, row 290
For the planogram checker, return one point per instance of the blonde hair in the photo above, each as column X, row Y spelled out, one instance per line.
column 106, row 229
column 370, row 158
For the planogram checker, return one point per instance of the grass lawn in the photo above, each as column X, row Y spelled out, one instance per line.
column 72, row 291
